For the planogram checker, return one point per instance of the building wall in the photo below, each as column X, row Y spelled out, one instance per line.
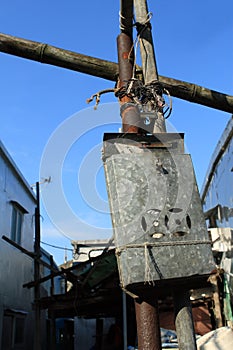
column 220, row 189
column 217, row 198
column 87, row 334
column 15, row 267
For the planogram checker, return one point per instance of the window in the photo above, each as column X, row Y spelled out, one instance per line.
column 13, row 329
column 17, row 221
column 16, row 225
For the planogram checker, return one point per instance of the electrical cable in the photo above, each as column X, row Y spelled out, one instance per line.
column 54, row 246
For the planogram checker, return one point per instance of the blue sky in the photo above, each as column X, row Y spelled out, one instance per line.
column 193, row 42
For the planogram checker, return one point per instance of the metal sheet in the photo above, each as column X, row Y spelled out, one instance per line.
column 159, row 227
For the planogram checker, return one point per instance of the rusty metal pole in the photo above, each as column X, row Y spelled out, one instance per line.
column 129, row 111
column 146, row 310
column 147, row 314
column 148, row 330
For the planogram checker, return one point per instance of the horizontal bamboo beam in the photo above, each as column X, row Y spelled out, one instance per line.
column 45, row 53
column 32, row 255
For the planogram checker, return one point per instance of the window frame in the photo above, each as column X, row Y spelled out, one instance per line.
column 16, row 335
column 17, row 217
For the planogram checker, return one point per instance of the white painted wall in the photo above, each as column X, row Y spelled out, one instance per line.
column 15, row 267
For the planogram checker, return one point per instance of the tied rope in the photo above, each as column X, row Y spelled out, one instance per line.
column 160, row 244
column 149, row 96
column 148, row 256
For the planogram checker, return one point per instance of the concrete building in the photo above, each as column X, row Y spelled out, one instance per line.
column 17, row 206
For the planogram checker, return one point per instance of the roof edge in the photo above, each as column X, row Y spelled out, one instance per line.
column 216, row 156
column 15, row 168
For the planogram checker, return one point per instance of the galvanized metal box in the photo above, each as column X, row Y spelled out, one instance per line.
column 159, row 227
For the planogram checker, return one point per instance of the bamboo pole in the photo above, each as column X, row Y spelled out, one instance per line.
column 184, row 319
column 48, row 54
column 149, row 66
column 32, row 255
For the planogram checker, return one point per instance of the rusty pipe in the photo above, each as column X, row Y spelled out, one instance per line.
column 130, row 117
column 126, row 17
column 148, row 329
column 125, row 59
column 129, row 111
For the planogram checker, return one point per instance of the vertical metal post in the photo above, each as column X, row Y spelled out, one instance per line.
column 148, row 329
column 126, row 17
column 52, row 318
column 52, row 279
column 146, row 311
column 184, row 320
column 37, row 332
column 129, row 111
column 124, row 309
column 125, row 45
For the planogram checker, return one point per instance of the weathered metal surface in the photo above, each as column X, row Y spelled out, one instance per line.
column 125, row 58
column 172, row 142
column 126, row 17
column 159, row 227
column 130, row 117
column 148, row 330
column 129, row 112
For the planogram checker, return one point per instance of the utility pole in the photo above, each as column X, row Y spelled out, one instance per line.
column 182, row 304
column 126, row 66
column 37, row 331
column 156, row 210
column 132, row 109
column 147, row 314
column 146, row 311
